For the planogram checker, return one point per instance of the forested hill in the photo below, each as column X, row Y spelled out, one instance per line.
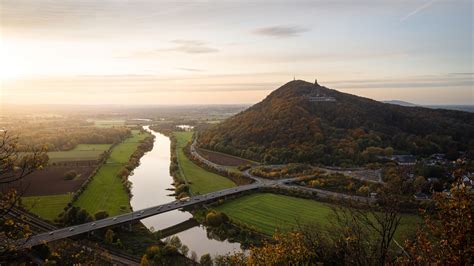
column 304, row 122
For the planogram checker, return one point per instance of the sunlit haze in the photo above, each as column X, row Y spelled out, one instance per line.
column 236, row 132
column 204, row 52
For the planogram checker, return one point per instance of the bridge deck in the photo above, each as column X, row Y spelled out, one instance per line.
column 177, row 204
column 132, row 216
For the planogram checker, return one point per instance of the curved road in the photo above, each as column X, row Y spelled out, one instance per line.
column 282, row 183
column 178, row 204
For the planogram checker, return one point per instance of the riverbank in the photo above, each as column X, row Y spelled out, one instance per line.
column 115, row 199
column 200, row 181
column 153, row 184
column 270, row 211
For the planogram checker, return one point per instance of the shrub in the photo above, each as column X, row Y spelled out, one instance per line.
column 206, row 260
column 215, row 218
column 69, row 175
column 183, row 195
column 182, row 188
column 99, row 215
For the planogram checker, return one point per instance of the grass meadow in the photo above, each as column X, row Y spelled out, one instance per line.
column 266, row 212
column 82, row 152
column 122, row 152
column 107, row 123
column 201, row 181
column 47, row 207
column 92, row 147
column 106, row 191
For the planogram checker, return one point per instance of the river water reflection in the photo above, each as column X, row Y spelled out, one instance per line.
column 151, row 186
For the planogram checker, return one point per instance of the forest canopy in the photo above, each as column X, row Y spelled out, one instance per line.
column 289, row 126
column 63, row 134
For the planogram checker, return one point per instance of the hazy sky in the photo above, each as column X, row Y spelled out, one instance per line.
column 188, row 52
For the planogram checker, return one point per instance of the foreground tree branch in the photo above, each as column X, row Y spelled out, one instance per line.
column 14, row 166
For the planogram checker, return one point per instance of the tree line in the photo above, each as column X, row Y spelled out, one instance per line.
column 361, row 236
column 286, row 127
column 64, row 139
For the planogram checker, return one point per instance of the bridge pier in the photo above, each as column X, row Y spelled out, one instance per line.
column 126, row 220
column 128, row 226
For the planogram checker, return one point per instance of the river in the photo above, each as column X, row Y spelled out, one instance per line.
column 151, row 186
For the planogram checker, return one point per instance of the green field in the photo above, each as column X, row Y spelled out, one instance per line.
column 121, row 153
column 265, row 212
column 201, row 181
column 61, row 156
column 81, row 152
column 46, row 207
column 106, row 191
column 92, row 147
column 107, row 122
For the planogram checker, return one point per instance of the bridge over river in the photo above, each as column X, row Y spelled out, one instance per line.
column 174, row 205
column 144, row 211
column 137, row 215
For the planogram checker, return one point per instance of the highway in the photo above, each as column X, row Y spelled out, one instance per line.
column 174, row 205
column 178, row 204
column 117, row 257
column 133, row 216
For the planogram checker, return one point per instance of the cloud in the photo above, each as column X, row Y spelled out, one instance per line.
column 142, row 83
column 280, row 31
column 314, row 56
column 428, row 81
column 192, row 47
column 138, row 84
column 462, row 74
column 189, row 69
column 180, row 46
column 417, row 10
column 226, row 88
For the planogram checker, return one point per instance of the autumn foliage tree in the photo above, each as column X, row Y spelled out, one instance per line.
column 288, row 127
column 446, row 238
column 76, row 253
column 288, row 249
column 14, row 166
column 160, row 255
column 283, row 249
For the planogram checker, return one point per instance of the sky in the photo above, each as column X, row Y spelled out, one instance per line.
column 233, row 52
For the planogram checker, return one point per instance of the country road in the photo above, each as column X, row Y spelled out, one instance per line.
column 178, row 204
column 132, row 216
column 282, row 183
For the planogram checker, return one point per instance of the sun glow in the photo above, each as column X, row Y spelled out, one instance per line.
column 116, row 49
column 12, row 63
